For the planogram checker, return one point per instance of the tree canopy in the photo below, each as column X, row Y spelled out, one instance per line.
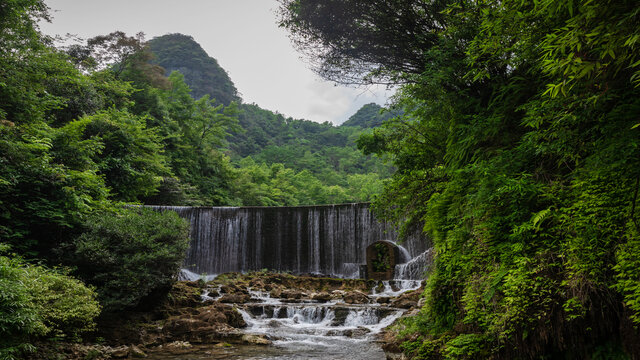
column 517, row 151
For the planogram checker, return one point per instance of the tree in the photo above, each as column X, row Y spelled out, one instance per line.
column 128, row 257
column 518, row 152
column 365, row 42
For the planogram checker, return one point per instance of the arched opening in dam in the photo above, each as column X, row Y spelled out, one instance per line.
column 329, row 240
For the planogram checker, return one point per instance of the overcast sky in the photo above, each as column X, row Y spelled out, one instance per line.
column 241, row 34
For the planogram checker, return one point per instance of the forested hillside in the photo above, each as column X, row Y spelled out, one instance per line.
column 322, row 156
column 90, row 129
column 177, row 52
column 519, row 150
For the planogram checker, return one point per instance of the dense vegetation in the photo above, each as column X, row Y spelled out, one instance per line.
column 177, row 52
column 518, row 149
column 265, row 143
column 89, row 130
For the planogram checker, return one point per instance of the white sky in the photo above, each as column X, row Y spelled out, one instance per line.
column 241, row 34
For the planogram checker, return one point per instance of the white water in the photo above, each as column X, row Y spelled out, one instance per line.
column 310, row 330
column 326, row 240
column 416, row 268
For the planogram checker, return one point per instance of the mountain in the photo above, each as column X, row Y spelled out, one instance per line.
column 369, row 116
column 201, row 72
column 327, row 151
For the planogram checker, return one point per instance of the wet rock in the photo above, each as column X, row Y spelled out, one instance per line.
column 237, row 298
column 274, row 324
column 340, row 315
column 404, row 303
column 255, row 310
column 356, row 297
column 355, row 333
column 275, row 292
column 257, row 284
column 292, row 294
column 407, row 300
column 213, row 293
column 255, row 339
column 232, row 289
column 383, row 300
column 321, row 297
column 338, row 294
column 383, row 312
column 136, row 352
column 119, row 352
column 234, row 318
column 178, row 347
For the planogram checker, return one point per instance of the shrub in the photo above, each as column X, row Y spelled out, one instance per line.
column 131, row 253
column 36, row 302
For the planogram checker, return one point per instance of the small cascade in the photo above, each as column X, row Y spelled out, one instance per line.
column 405, row 256
column 414, row 269
column 391, row 288
column 351, row 271
column 332, row 330
column 186, row 275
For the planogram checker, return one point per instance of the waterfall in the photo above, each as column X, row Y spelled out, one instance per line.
column 415, row 268
column 326, row 240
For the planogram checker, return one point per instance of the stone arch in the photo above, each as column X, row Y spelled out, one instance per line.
column 382, row 257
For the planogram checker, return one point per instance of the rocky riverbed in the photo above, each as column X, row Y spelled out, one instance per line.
column 258, row 315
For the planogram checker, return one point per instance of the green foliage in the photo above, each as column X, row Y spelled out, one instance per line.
column 177, row 52
column 128, row 256
column 369, row 116
column 37, row 302
column 381, row 260
column 519, row 152
column 41, row 199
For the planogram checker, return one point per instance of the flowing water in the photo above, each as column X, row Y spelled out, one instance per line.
column 328, row 240
column 309, row 329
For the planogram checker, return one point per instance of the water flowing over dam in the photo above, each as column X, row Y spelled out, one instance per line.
column 329, row 240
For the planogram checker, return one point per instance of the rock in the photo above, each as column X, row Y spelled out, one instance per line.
column 340, row 315
column 407, row 300
column 354, row 333
column 136, row 352
column 120, row 352
column 383, row 300
column 234, row 318
column 422, row 302
column 255, row 339
column 404, row 303
column 274, row 324
column 275, row 292
column 321, row 297
column 356, row 297
column 338, row 294
column 179, row 347
column 256, row 284
column 383, row 311
column 292, row 294
column 213, row 293
column 237, row 298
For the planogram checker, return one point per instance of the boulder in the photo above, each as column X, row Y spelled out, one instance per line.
column 404, row 303
column 321, row 297
column 136, row 352
column 255, row 339
column 237, row 298
column 356, row 297
column 292, row 294
column 119, row 352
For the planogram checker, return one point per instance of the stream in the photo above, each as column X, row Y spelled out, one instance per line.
column 308, row 329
